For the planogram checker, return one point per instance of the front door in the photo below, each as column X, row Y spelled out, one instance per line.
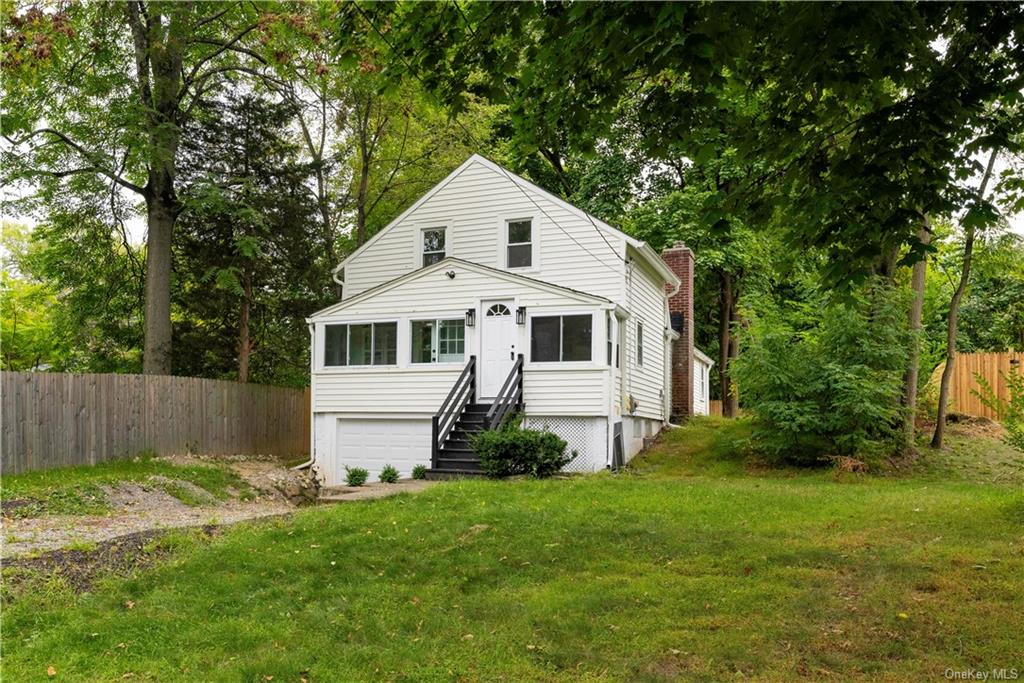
column 498, row 346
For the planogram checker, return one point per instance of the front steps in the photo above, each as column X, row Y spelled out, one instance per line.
column 456, row 457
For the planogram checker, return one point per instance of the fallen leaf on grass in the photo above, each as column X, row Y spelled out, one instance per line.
column 51, row 672
column 128, row 604
column 903, row 615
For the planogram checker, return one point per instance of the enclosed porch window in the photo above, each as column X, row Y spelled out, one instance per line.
column 438, row 341
column 361, row 344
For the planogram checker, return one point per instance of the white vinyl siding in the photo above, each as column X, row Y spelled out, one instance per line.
column 645, row 382
column 419, row 388
column 476, row 206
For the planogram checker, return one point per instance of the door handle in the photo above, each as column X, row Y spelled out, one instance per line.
column 511, row 355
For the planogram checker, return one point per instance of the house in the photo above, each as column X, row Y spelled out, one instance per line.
column 489, row 296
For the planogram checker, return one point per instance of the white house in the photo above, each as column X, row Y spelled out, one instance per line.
column 490, row 295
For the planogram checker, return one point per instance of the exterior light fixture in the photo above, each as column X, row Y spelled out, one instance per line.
column 470, row 317
column 521, row 315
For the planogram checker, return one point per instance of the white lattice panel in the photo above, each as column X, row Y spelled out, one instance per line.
column 586, row 435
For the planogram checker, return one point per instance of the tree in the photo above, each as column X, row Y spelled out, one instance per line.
column 980, row 215
column 106, row 90
column 249, row 255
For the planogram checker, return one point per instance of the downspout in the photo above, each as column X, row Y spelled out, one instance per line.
column 312, row 420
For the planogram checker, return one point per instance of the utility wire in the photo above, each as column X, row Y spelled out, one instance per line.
column 505, row 172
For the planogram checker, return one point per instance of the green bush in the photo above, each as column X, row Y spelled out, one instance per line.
column 1010, row 413
column 825, row 379
column 389, row 475
column 355, row 476
column 514, row 450
column 419, row 472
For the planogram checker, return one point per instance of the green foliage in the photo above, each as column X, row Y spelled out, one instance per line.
column 389, row 475
column 514, row 450
column 419, row 472
column 1009, row 411
column 356, row 476
column 825, row 379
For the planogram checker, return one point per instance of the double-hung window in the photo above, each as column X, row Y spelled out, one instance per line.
column 438, row 341
column 433, row 245
column 555, row 338
column 361, row 344
column 519, row 244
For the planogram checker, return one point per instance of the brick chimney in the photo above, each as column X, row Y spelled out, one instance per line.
column 680, row 307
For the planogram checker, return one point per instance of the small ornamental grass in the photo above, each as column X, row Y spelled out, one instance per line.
column 419, row 472
column 389, row 475
column 356, row 476
column 514, row 450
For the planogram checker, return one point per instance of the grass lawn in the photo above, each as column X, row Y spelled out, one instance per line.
column 78, row 490
column 693, row 566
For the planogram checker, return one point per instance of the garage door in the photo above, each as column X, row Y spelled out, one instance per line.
column 373, row 444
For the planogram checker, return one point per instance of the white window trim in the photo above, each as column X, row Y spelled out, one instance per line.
column 535, row 232
column 596, row 341
column 435, row 342
column 417, row 247
column 321, row 345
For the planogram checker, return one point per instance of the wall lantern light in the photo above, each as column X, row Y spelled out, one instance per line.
column 470, row 317
column 521, row 315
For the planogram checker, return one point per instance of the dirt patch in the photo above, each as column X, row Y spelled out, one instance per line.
column 149, row 506
column 978, row 427
column 8, row 508
column 80, row 568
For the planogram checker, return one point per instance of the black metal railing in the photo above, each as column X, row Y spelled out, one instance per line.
column 510, row 398
column 462, row 393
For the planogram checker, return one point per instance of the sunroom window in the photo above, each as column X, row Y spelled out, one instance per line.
column 361, row 344
column 433, row 245
column 438, row 341
column 564, row 338
column 520, row 244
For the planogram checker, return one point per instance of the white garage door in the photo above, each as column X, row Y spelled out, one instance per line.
column 372, row 444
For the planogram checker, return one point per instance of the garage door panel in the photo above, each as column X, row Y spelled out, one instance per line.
column 374, row 443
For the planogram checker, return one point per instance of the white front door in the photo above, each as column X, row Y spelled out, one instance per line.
column 498, row 346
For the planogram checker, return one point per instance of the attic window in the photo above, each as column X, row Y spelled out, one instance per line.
column 520, row 244
column 433, row 245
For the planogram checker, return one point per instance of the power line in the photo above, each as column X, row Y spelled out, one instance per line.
column 504, row 171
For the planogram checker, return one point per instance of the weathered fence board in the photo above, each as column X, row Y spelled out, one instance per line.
column 962, row 383
column 53, row 420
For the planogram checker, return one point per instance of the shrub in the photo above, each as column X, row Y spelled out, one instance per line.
column 389, row 475
column 355, row 476
column 419, row 472
column 1010, row 413
column 825, row 379
column 514, row 450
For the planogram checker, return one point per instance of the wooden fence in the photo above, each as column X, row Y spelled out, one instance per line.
column 962, row 383
column 52, row 420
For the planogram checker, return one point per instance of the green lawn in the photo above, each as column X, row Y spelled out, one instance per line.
column 694, row 566
column 78, row 490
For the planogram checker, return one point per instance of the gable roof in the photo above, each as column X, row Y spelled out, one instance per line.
column 642, row 248
column 470, row 265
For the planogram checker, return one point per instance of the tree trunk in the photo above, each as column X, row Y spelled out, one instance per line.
column 954, row 311
column 244, row 337
column 726, row 344
column 156, row 354
column 910, row 379
column 159, row 50
column 731, row 405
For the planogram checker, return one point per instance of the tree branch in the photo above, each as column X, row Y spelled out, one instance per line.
column 89, row 156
